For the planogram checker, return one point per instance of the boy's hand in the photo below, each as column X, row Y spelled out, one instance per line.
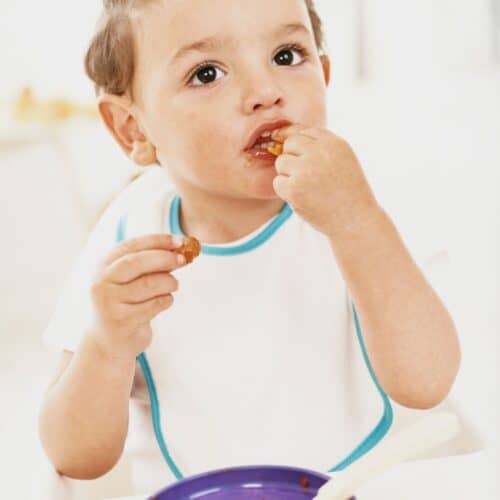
column 132, row 287
column 321, row 178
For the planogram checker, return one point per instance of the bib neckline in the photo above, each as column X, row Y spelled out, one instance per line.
column 245, row 244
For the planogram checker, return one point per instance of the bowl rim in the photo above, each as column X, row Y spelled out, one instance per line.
column 234, row 475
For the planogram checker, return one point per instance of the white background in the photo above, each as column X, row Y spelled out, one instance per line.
column 415, row 90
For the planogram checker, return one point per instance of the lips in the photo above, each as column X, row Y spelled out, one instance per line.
column 265, row 127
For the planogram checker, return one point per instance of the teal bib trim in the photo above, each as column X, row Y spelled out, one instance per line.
column 386, row 420
column 153, row 395
column 155, row 412
column 366, row 445
column 255, row 242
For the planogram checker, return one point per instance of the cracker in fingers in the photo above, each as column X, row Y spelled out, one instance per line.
column 190, row 249
column 276, row 149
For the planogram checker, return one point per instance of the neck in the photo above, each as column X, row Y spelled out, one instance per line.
column 217, row 220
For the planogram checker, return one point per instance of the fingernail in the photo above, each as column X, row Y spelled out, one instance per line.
column 177, row 241
column 181, row 260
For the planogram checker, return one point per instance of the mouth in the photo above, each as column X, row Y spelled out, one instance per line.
column 260, row 140
column 264, row 151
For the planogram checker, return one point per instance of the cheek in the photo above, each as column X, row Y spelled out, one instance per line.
column 210, row 137
column 207, row 143
column 204, row 149
column 317, row 109
column 313, row 106
column 200, row 130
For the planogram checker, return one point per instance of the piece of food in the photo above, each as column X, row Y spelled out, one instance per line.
column 191, row 248
column 304, row 482
column 277, row 149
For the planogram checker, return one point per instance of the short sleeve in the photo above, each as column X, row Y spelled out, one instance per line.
column 73, row 312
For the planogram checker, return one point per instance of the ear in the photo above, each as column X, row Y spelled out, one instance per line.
column 325, row 62
column 118, row 116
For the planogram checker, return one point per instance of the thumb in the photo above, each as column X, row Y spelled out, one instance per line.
column 281, row 187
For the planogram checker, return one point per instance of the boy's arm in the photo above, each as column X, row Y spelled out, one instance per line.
column 84, row 417
column 410, row 337
column 83, row 420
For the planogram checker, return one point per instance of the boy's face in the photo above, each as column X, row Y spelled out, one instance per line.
column 200, row 119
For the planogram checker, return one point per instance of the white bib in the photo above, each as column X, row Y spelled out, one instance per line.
column 259, row 360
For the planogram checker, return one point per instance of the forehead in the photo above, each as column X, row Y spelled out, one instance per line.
column 170, row 25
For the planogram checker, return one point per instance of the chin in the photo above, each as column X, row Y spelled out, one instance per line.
column 264, row 189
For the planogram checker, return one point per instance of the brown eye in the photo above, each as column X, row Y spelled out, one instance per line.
column 205, row 75
column 285, row 57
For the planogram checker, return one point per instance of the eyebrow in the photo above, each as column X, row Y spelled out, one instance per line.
column 213, row 43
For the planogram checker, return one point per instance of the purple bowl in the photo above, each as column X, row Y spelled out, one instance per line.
column 267, row 482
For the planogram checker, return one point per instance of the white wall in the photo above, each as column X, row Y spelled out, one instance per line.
column 374, row 39
column 50, row 40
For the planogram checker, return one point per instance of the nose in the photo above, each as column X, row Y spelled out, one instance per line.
column 262, row 92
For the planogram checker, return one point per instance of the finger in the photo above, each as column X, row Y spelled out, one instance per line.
column 297, row 144
column 286, row 164
column 146, row 287
column 148, row 242
column 281, row 185
column 147, row 310
column 280, row 134
column 132, row 265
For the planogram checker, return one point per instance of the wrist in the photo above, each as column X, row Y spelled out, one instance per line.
column 99, row 348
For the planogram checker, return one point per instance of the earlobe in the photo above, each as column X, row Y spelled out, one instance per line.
column 143, row 153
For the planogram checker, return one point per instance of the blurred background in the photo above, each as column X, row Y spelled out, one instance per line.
column 415, row 90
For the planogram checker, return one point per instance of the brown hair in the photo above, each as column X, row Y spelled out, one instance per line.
column 109, row 61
